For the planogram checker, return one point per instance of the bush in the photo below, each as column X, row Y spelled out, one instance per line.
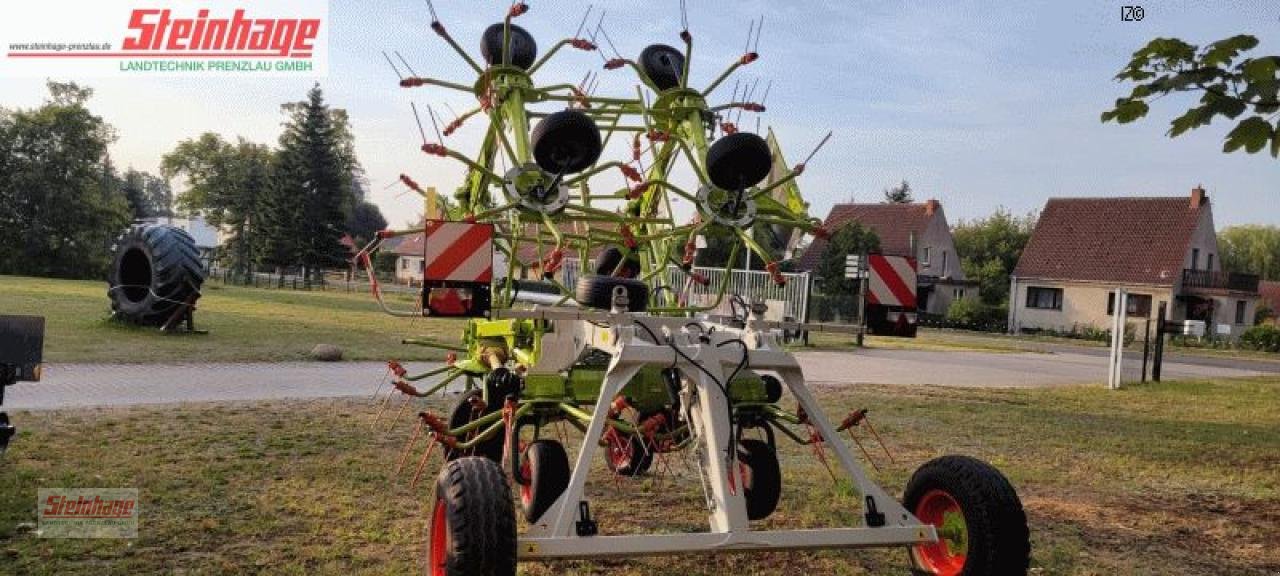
column 1263, row 337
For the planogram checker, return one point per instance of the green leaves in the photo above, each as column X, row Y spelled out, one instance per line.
column 1126, row 111
column 1252, row 134
column 1223, row 52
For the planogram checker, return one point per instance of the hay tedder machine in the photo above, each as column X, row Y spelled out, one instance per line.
column 627, row 360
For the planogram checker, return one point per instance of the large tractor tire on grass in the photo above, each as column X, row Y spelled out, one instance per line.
column 154, row 270
column 597, row 292
column 982, row 529
column 473, row 522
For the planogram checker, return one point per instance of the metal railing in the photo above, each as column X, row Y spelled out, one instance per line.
column 1215, row 280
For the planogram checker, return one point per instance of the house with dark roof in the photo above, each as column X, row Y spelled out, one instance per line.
column 1163, row 251
column 917, row 230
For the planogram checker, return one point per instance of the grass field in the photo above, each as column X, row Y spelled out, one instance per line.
column 244, row 324
column 1174, row 478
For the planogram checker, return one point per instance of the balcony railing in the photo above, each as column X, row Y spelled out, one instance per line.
column 1212, row 280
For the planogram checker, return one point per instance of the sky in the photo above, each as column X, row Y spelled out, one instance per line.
column 977, row 105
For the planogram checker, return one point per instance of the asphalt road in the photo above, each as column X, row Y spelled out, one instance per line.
column 90, row 385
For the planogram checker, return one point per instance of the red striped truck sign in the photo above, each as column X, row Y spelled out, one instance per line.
column 892, row 281
column 457, row 268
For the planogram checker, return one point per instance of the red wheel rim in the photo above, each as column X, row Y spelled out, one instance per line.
column 526, row 489
column 619, row 450
column 946, row 557
column 439, row 552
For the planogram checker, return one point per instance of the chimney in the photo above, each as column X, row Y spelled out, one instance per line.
column 1197, row 197
column 931, row 207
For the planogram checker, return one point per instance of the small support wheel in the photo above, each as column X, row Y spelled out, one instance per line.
column 982, row 529
column 545, row 467
column 761, row 477
column 473, row 523
column 625, row 454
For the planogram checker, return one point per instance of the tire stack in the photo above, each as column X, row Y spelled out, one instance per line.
column 155, row 269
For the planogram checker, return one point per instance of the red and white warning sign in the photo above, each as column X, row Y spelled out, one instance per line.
column 892, row 281
column 458, row 252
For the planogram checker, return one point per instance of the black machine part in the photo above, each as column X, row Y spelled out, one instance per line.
column 21, row 352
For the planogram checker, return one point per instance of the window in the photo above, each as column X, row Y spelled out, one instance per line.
column 1044, row 298
column 422, row 266
column 404, row 263
column 924, row 259
column 957, row 293
column 1209, row 264
column 1240, row 309
column 1139, row 305
column 944, row 262
column 1195, row 258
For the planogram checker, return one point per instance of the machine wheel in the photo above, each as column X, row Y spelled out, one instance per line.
column 608, row 260
column 566, row 142
column 761, row 477
column 473, row 524
column 982, row 529
column 462, row 414
column 772, row 388
column 625, row 455
column 597, row 292
column 738, row 161
column 663, row 65
column 523, row 47
column 155, row 268
column 546, row 467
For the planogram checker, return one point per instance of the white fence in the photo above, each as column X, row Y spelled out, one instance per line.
column 785, row 302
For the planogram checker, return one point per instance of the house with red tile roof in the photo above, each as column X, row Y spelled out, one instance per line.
column 1163, row 251
column 918, row 230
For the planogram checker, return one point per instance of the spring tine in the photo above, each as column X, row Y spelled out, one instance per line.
column 409, row 446
column 879, row 440
column 381, row 382
column 418, row 119
column 863, row 449
column 431, row 8
column 759, row 27
column 751, row 28
column 399, row 412
column 417, row 473
column 393, row 65
column 605, row 33
column 434, row 124
column 385, row 402
column 578, row 33
column 406, row 64
column 818, row 147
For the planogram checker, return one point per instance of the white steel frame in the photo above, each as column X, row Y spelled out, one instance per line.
column 555, row 535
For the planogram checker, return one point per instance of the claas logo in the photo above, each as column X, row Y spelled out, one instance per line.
column 159, row 30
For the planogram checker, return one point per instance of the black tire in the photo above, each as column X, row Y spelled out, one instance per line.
column 738, row 161
column 566, row 142
column 154, row 269
column 461, row 415
column 524, row 49
column 608, row 260
column 663, row 65
column 995, row 537
column 772, row 388
column 762, row 486
column 473, row 522
column 629, row 457
column 597, row 292
column 546, row 466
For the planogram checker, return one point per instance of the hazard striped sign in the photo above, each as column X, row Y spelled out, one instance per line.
column 458, row 252
column 892, row 281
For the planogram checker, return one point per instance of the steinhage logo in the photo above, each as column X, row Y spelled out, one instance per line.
column 158, row 30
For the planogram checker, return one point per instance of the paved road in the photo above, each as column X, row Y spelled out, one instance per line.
column 87, row 385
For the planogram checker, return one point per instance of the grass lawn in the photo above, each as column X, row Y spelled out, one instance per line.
column 244, row 324
column 1172, row 478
